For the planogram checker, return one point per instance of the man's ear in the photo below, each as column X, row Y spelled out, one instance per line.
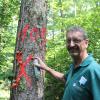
column 87, row 42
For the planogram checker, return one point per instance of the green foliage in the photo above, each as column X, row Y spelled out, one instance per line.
column 8, row 9
column 6, row 55
column 61, row 14
column 8, row 26
column 64, row 14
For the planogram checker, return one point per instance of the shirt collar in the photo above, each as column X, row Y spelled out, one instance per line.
column 86, row 61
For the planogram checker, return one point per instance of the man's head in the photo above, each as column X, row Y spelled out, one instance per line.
column 77, row 41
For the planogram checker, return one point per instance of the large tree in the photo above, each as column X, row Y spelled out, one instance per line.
column 31, row 40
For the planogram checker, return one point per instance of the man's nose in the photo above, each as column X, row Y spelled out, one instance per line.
column 72, row 43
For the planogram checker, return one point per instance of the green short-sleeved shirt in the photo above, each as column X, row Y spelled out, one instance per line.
column 83, row 83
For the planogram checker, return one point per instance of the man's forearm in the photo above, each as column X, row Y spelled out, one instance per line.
column 55, row 74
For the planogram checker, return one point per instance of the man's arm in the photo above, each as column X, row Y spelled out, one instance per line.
column 54, row 73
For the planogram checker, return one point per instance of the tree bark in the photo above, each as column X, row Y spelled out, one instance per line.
column 31, row 40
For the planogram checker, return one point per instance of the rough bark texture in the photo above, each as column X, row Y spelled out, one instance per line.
column 30, row 40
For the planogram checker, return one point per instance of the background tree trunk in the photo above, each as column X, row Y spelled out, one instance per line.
column 31, row 39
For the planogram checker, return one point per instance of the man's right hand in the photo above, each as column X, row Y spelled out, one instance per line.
column 54, row 73
column 40, row 63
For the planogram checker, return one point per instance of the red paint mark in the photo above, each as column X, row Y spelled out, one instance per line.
column 22, row 71
column 34, row 34
column 43, row 37
column 34, row 29
column 37, row 36
column 24, row 32
column 43, row 32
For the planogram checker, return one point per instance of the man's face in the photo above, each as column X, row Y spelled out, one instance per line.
column 76, row 44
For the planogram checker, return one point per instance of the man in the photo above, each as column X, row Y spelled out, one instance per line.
column 83, row 78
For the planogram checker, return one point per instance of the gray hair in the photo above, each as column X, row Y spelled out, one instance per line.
column 77, row 29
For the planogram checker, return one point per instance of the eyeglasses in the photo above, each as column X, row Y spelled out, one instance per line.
column 75, row 41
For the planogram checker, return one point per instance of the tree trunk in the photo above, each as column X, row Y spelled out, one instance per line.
column 31, row 40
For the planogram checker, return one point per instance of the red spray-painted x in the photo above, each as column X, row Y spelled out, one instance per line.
column 22, row 71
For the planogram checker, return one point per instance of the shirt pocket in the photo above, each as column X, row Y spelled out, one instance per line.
column 78, row 88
